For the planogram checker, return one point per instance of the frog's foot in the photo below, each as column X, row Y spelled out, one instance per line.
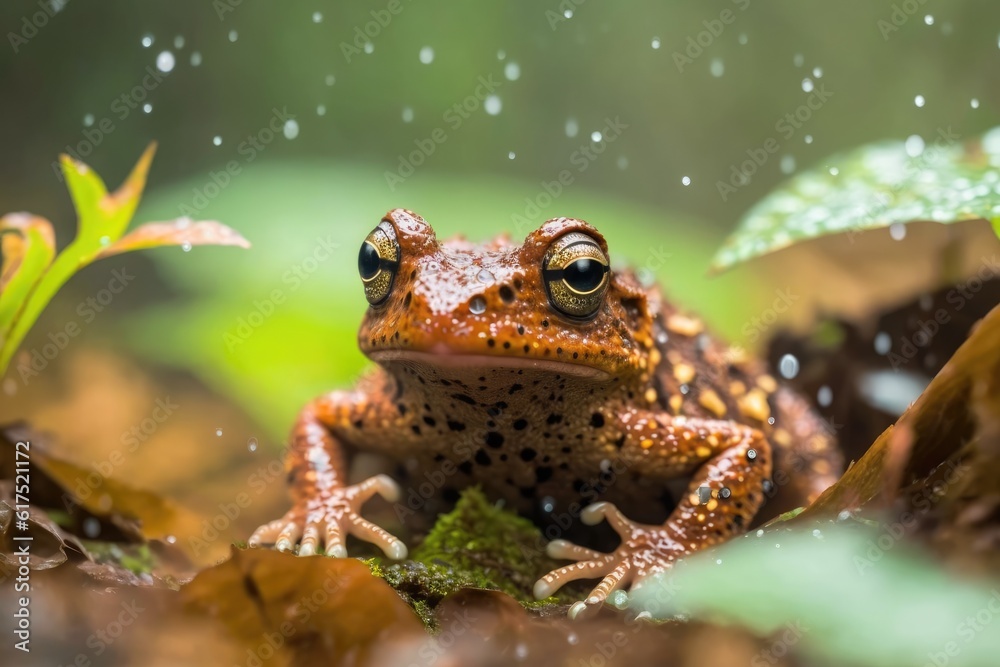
column 644, row 551
column 328, row 517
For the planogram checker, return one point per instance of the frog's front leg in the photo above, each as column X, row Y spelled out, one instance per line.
column 324, row 508
column 730, row 460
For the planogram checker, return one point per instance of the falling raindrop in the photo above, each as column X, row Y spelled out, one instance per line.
column 686, row 180
column 317, row 17
column 91, row 527
column 798, row 60
column 897, row 231
column 572, row 127
column 501, row 54
column 88, row 120
column 834, row 171
column 511, row 155
column 808, row 138
column 369, row 47
column 656, row 42
column 974, row 103
column 170, row 539
column 321, row 110
column 147, row 107
column 407, row 114
column 233, row 35
column 788, row 366
column 512, row 71
column 330, row 79
column 717, row 67
column 427, row 55
column 919, row 100
column 147, row 41
column 217, row 140
column 818, row 72
column 883, row 343
column 186, row 247
column 492, row 105
column 623, row 162
column 165, row 61
column 595, row 136
column 252, row 444
column 179, row 42
column 914, row 145
column 195, row 58
column 291, row 129
column 742, row 39
column 807, row 85
column 787, row 164
column 929, row 20
column 218, row 432
column 824, row 396
column 568, row 13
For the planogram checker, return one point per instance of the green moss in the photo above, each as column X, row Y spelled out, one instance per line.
column 476, row 545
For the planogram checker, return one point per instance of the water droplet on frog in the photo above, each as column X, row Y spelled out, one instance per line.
column 817, row 532
column 170, row 539
column 788, row 366
column 477, row 305
column 662, row 337
column 718, row 561
column 521, row 651
column 844, row 515
column 572, row 639
column 684, row 389
column 91, row 527
column 770, row 420
column 824, row 396
column 218, row 432
column 618, row 599
column 252, row 444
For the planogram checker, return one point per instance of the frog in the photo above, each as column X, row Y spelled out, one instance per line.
column 547, row 378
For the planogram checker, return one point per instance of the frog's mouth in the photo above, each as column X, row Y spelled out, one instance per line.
column 446, row 359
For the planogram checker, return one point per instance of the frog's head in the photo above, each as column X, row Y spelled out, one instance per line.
column 551, row 304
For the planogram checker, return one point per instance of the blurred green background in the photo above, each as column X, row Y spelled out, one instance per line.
column 365, row 84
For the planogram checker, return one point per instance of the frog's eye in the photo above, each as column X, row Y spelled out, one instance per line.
column 576, row 274
column 377, row 263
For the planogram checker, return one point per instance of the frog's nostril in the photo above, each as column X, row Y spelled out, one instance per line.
column 506, row 294
column 407, row 299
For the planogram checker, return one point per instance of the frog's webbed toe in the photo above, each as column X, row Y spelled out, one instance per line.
column 645, row 550
column 326, row 519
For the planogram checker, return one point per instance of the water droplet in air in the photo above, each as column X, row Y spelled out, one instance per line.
column 91, row 527
column 824, row 396
column 147, row 41
column 595, row 136
column 492, row 105
column 88, row 120
column 686, row 180
column 321, row 110
column 742, row 39
column 233, row 35
column 919, row 100
column 568, row 13
column 717, row 67
column 623, row 162
column 427, row 55
column 974, row 103
column 105, row 240
column 798, row 60
column 195, row 58
column 656, row 42
column 179, row 42
column 897, row 231
column 330, row 79
column 929, row 20
column 883, row 343
column 369, row 47
column 914, row 145
column 834, row 171
column 787, row 164
column 170, row 539
column 147, row 107
column 317, row 17
column 807, row 85
column 511, row 155
column 788, row 366
column 291, row 129
column 808, row 138
column 252, row 444
column 501, row 54
column 407, row 115
column 512, row 71
column 818, row 72
column 572, row 127
column 217, row 140
column 165, row 61
column 218, row 432
column 477, row 305
column 186, row 247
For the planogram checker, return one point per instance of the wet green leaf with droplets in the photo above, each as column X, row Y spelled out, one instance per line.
column 941, row 179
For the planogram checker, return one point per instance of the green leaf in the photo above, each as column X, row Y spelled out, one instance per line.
column 28, row 245
column 182, row 232
column 875, row 186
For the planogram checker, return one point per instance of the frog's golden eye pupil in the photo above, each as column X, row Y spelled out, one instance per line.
column 576, row 275
column 584, row 275
column 378, row 261
column 368, row 261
